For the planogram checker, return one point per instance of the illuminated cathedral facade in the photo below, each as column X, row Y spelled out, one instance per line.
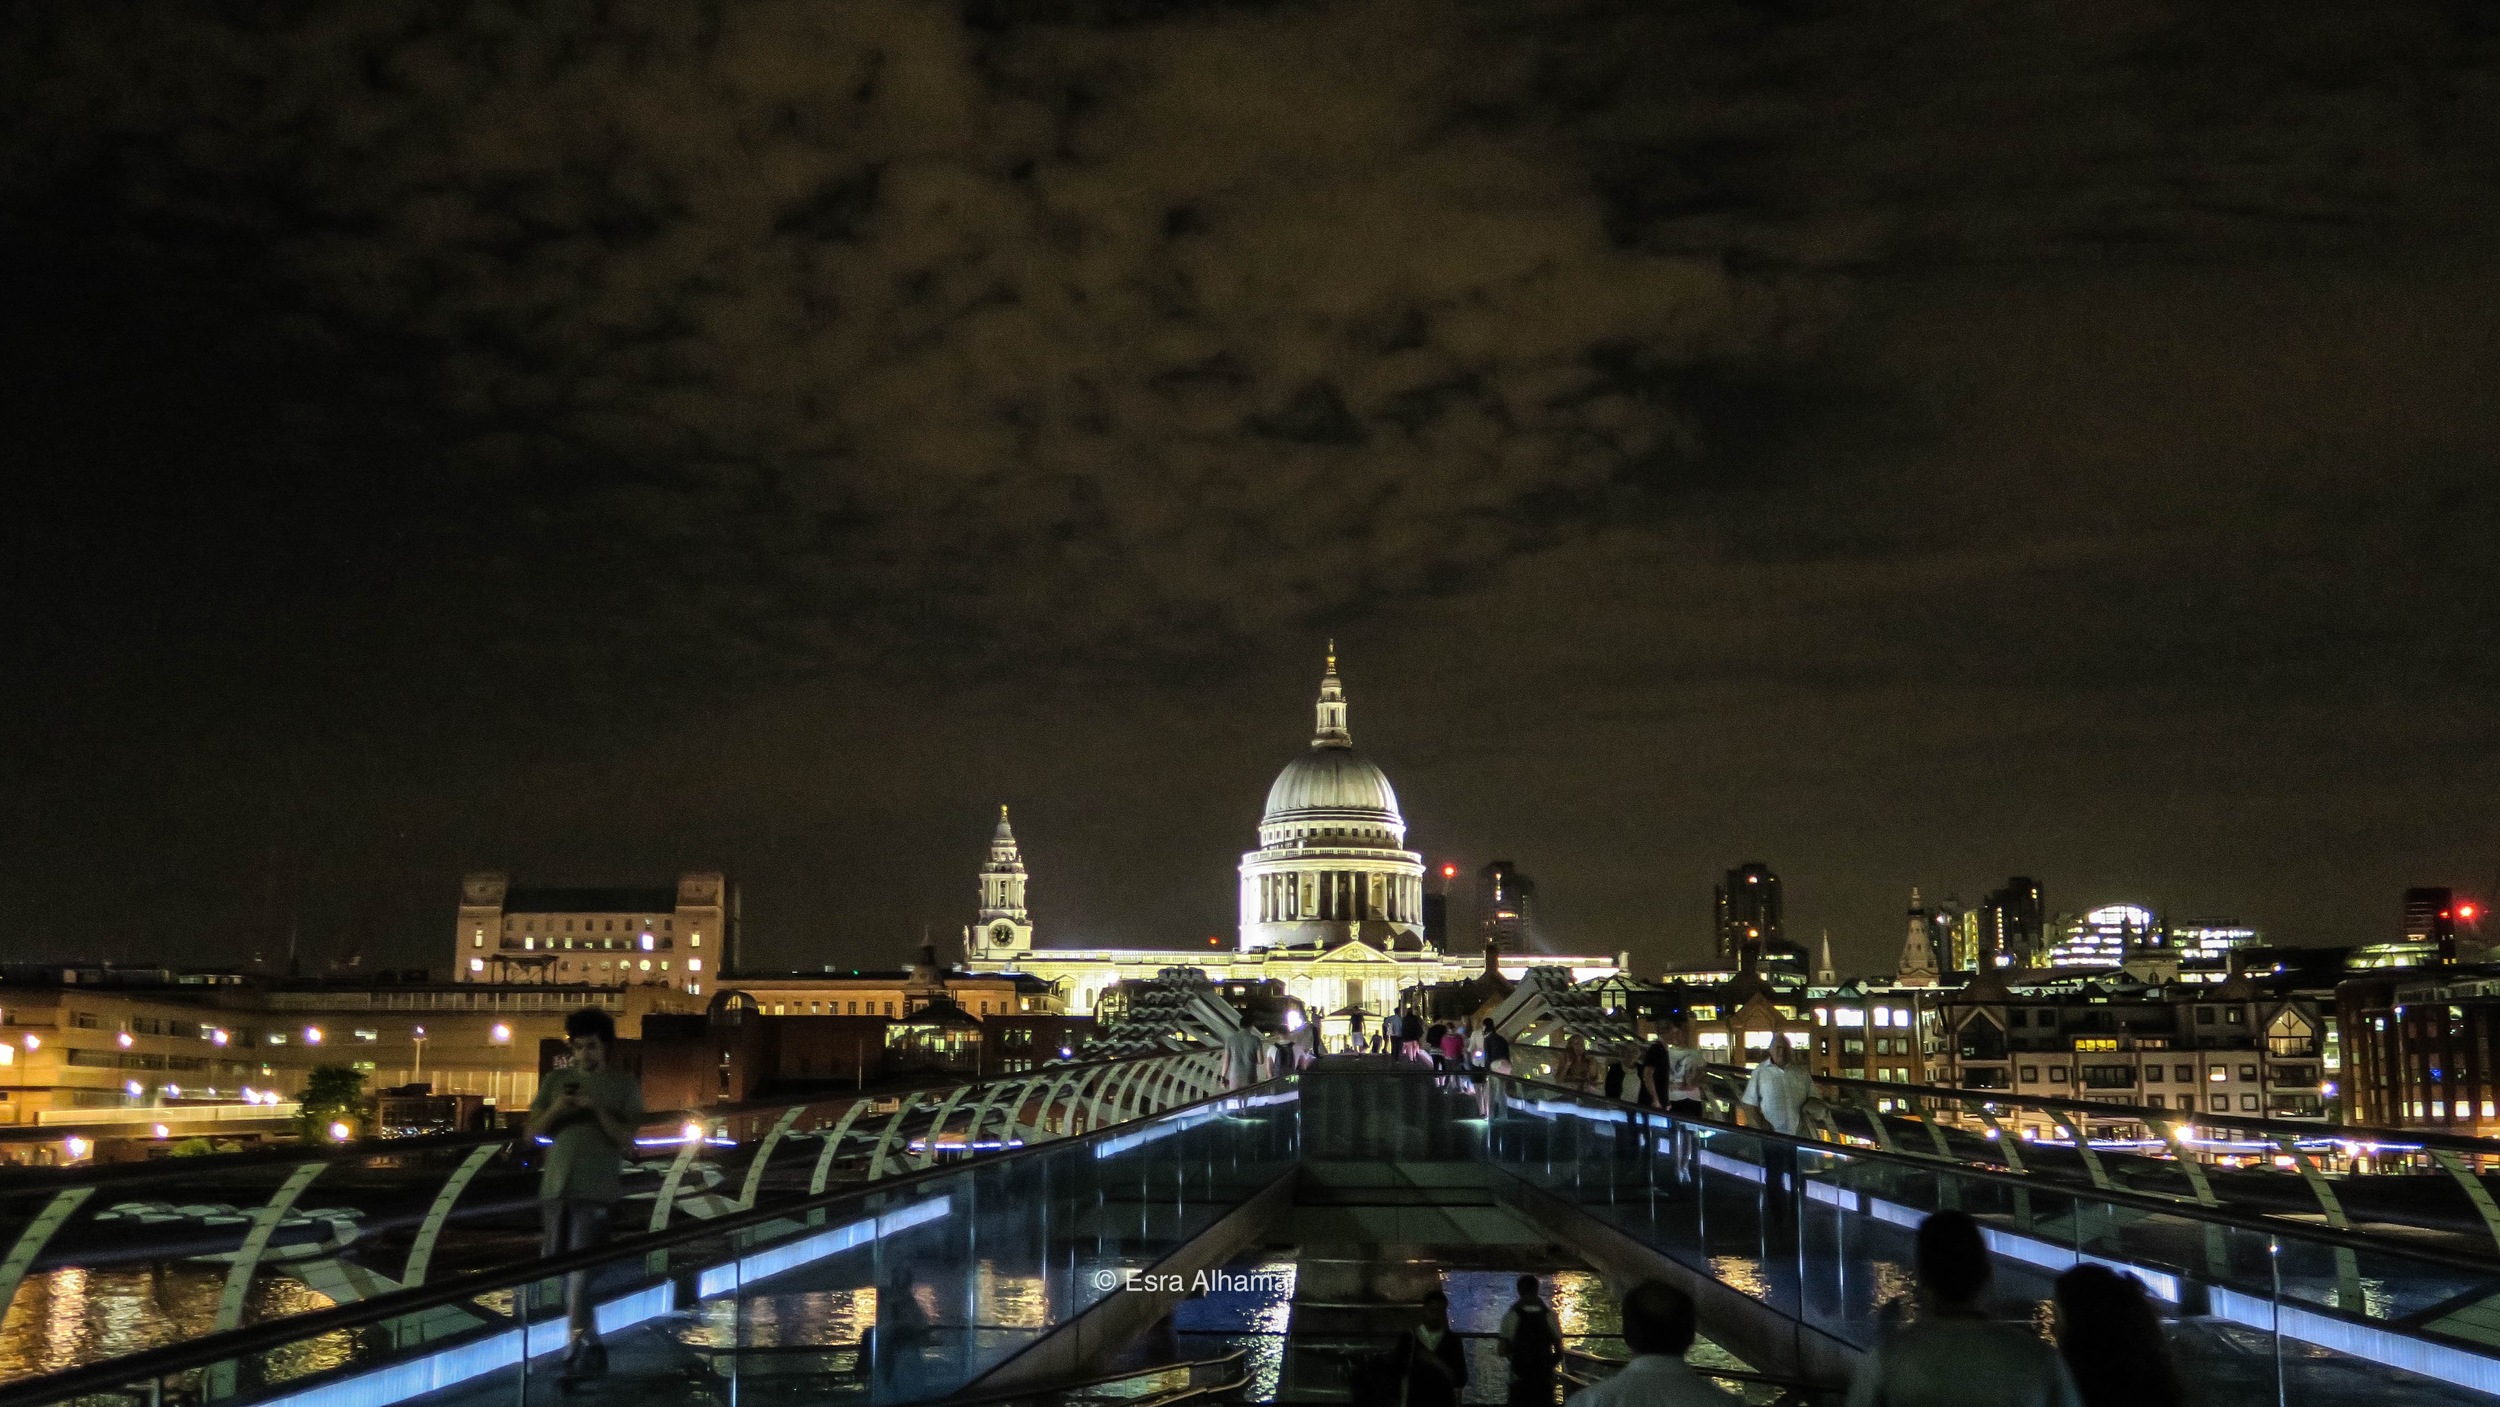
column 1331, row 901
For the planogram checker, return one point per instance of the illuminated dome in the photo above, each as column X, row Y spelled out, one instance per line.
column 1332, row 784
column 1332, row 866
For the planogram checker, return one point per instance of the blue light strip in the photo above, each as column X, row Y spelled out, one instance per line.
column 763, row 1265
column 1840, row 1197
column 459, row 1363
column 1112, row 1147
column 1731, row 1166
column 2455, row 1366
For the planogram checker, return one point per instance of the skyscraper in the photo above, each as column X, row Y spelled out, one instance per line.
column 2430, row 914
column 1505, row 906
column 2431, row 917
column 1437, row 905
column 2013, row 925
column 1944, row 917
column 1749, row 912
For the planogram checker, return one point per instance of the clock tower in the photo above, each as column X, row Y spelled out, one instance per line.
column 1003, row 930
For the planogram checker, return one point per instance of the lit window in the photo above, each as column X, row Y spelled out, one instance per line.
column 477, row 964
column 647, row 940
column 478, row 939
column 364, row 1035
column 646, row 964
column 2217, row 1074
column 697, row 940
column 694, row 964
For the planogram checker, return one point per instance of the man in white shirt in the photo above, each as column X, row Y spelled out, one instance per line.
column 1779, row 1089
column 1955, row 1355
column 1658, row 1327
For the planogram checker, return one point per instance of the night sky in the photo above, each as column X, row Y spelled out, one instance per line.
column 1904, row 441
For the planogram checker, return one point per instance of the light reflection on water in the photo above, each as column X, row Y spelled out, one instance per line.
column 74, row 1315
column 1009, row 1301
column 829, row 1317
column 1582, row 1307
column 1252, row 1318
column 1741, row 1273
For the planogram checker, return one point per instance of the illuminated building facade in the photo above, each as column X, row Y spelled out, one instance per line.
column 82, row 1045
column 1332, row 904
column 1875, row 1033
column 2107, row 937
column 656, row 937
column 1505, row 906
column 2013, row 925
column 2203, row 946
column 2420, row 1051
column 2245, row 1046
column 1747, row 914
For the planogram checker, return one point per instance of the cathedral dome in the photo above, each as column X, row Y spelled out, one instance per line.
column 1335, row 781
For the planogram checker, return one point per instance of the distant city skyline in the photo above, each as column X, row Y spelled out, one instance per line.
column 527, row 474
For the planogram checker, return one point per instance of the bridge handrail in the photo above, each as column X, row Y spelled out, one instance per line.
column 2395, row 1139
column 214, row 1348
column 2271, row 1226
column 37, row 1179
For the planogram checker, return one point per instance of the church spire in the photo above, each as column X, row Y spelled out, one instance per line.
column 1332, row 730
column 1918, row 950
column 1003, row 926
column 1827, row 975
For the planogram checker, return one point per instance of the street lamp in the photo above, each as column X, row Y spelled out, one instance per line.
column 417, row 1041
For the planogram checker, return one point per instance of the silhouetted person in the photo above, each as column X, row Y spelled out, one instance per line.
column 1532, row 1343
column 1954, row 1355
column 2110, row 1336
column 1652, row 1091
column 1430, row 1361
column 1242, row 1049
column 1658, row 1328
column 588, row 1111
column 1614, row 1079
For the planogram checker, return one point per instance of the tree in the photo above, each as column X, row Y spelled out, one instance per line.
column 332, row 1094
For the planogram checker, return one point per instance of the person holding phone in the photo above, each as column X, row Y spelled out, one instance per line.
column 588, row 1112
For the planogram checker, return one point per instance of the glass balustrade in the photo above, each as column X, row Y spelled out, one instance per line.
column 902, row 1288
column 2259, row 1309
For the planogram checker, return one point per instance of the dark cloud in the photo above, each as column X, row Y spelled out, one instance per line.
column 516, row 385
